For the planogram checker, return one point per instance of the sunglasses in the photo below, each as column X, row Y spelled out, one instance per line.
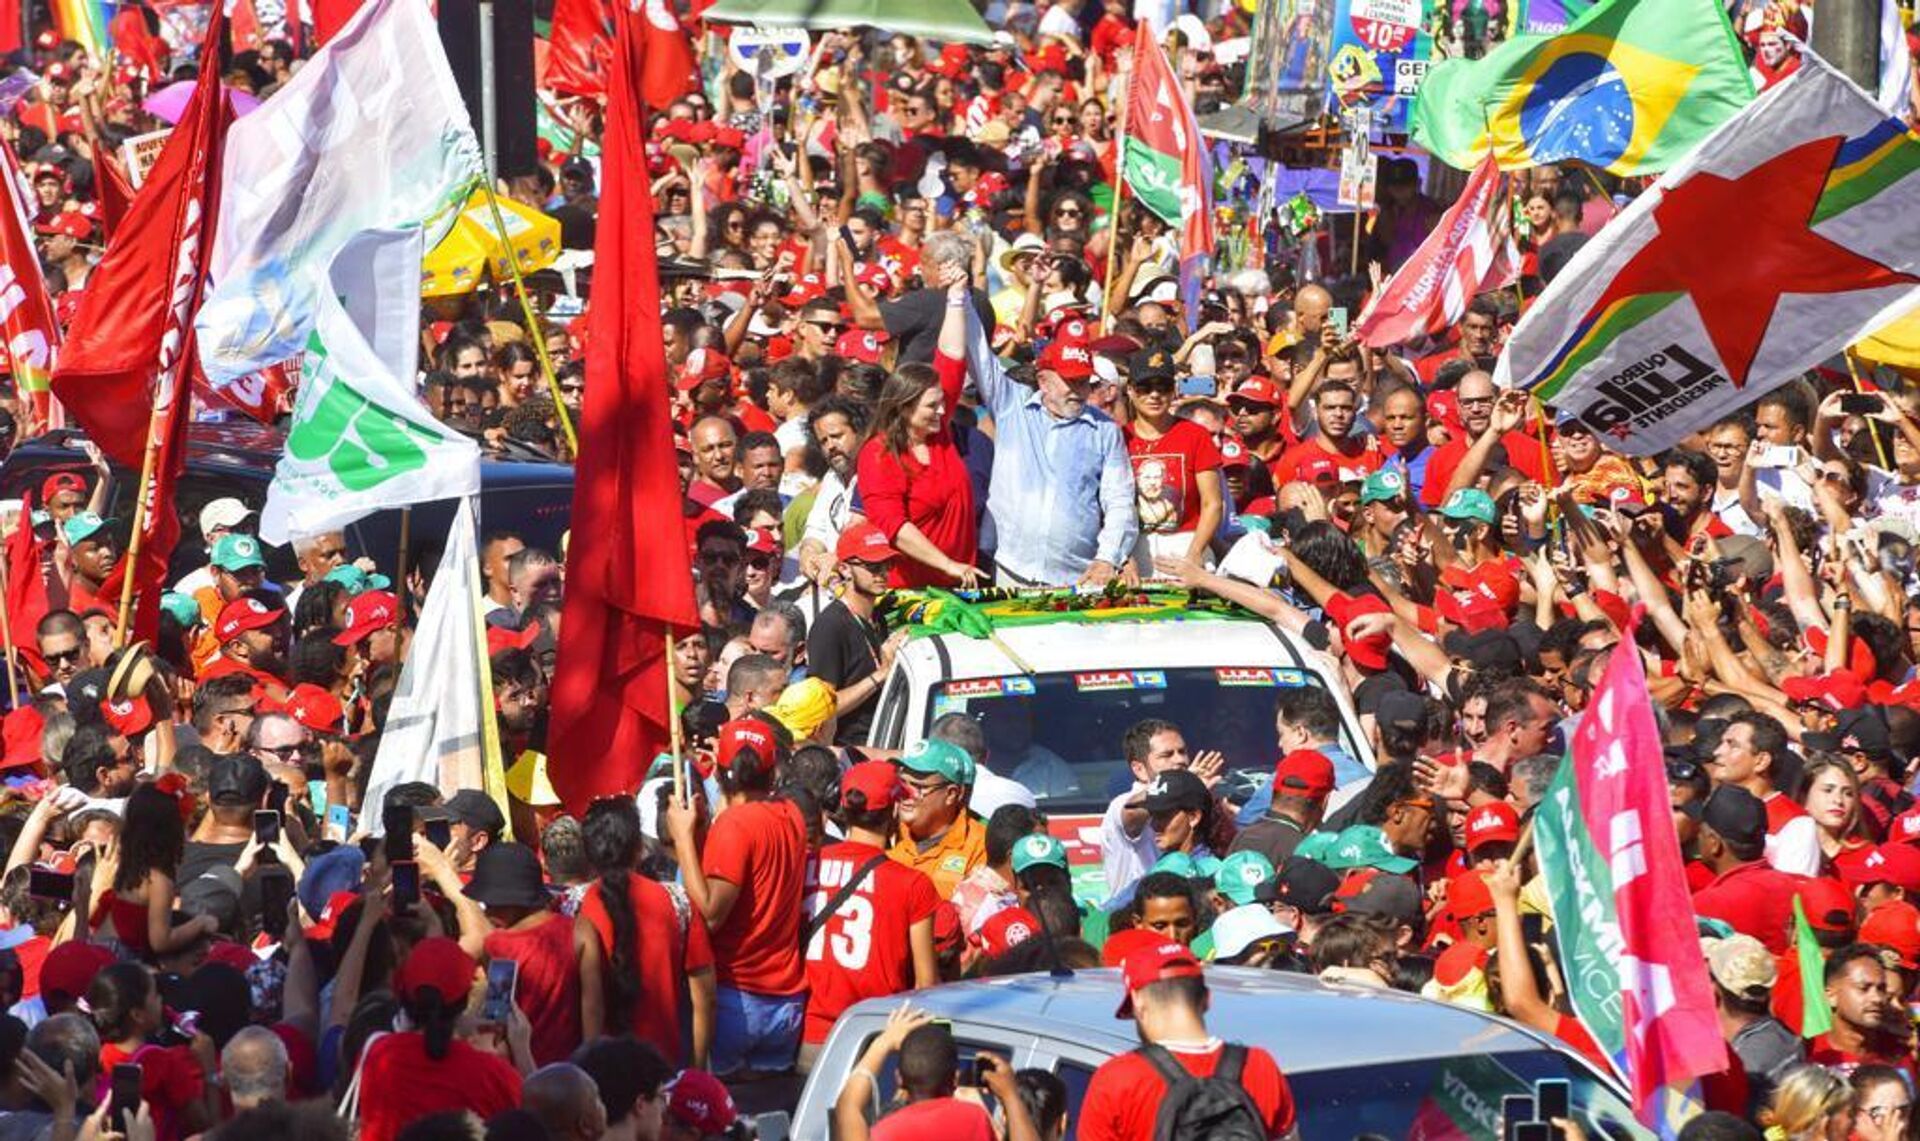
column 62, row 656
column 1158, row 386
column 828, row 326
column 1683, row 772
column 1069, row 212
column 760, row 561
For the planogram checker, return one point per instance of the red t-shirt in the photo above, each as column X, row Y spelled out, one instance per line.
column 1754, row 899
column 947, row 1118
column 1781, row 809
column 170, row 1080
column 936, row 497
column 1166, row 476
column 761, row 848
column 1124, row 1095
column 1822, row 1052
column 399, row 1084
column 666, row 956
column 1523, row 452
column 548, row 990
column 1312, row 459
column 862, row 950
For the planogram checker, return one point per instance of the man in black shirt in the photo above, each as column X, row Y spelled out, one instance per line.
column 1301, row 783
column 846, row 648
column 913, row 322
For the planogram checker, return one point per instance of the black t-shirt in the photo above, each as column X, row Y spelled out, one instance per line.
column 200, row 857
column 914, row 321
column 841, row 650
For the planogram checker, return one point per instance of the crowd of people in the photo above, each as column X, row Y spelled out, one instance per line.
column 917, row 340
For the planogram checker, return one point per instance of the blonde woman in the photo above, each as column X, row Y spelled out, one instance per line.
column 1812, row 1103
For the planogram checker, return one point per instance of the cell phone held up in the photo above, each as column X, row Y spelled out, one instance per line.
column 125, row 1095
column 406, row 885
column 503, row 978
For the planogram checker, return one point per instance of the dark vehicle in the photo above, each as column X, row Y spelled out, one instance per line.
column 532, row 498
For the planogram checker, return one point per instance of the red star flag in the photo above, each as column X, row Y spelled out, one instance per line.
column 1783, row 237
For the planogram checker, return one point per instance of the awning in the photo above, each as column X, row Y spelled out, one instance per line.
column 952, row 21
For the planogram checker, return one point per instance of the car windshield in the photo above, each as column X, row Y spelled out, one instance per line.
column 1440, row 1099
column 1059, row 733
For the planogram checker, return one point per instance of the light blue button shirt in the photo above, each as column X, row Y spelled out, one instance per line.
column 1062, row 490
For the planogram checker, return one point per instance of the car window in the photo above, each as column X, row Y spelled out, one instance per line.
column 889, row 1083
column 1059, row 734
column 1075, row 1077
column 1450, row 1097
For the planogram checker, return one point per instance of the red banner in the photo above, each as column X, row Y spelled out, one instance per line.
column 27, row 326
column 1468, row 252
column 578, row 47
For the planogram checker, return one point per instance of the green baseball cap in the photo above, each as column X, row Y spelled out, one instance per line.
column 1038, row 848
column 183, row 608
column 1185, row 866
column 935, row 757
column 234, row 551
column 356, row 580
column 1240, row 873
column 83, row 525
column 1383, row 486
column 1365, row 846
column 1317, row 846
column 1469, row 503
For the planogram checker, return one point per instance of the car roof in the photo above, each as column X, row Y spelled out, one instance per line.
column 1304, row 1023
column 1159, row 643
column 249, row 446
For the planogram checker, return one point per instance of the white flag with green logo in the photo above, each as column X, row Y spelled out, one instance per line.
column 360, row 440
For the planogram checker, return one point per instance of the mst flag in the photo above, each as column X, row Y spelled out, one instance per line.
column 26, row 312
column 360, row 440
column 1166, row 160
column 625, row 588
column 1469, row 251
column 440, row 727
column 1775, row 244
column 1628, row 87
column 370, row 134
column 1621, row 913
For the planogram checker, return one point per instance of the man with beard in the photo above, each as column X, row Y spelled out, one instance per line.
column 1510, row 448
column 1687, row 479
column 1864, row 1006
column 91, row 554
column 100, row 762
column 520, row 695
column 253, row 631
column 839, row 426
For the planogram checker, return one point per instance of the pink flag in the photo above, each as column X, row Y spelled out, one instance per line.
column 1471, row 250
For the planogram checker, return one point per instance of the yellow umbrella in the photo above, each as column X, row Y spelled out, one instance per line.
column 474, row 250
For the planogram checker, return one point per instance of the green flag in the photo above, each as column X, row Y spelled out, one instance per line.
column 1816, row 1018
column 1629, row 87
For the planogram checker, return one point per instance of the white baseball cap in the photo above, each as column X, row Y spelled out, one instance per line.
column 223, row 512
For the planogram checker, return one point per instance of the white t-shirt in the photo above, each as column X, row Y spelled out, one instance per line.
column 1124, row 859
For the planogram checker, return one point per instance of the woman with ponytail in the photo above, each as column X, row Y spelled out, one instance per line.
column 424, row 1069
column 124, row 1003
column 645, row 944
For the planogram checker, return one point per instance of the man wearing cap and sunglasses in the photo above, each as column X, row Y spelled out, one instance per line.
column 846, row 648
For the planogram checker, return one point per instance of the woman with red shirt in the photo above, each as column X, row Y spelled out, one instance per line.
column 913, row 483
column 124, row 1003
column 1176, row 469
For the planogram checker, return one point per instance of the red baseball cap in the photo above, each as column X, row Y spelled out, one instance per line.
column 1120, row 944
column 876, row 278
column 1468, row 895
column 1905, row 827
column 72, row 223
column 1895, row 924
column 702, row 365
column 1840, row 690
column 1370, row 652
column 317, row 709
column 1163, row 960
column 368, row 612
column 878, row 782
column 1006, row 929
column 1304, row 772
column 1495, row 822
column 62, row 481
column 437, row 962
column 1257, row 390
column 864, row 542
column 861, row 345
column 746, row 733
column 244, row 614
column 700, row 1101
column 1471, row 610
column 70, row 967
column 1458, row 961
column 804, row 289
column 131, row 716
column 1071, row 360
column 1897, row 864
column 1828, row 904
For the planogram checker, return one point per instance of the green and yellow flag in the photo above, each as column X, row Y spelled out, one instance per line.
column 1816, row 1017
column 1629, row 87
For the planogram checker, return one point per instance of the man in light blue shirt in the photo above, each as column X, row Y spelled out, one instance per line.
column 1062, row 491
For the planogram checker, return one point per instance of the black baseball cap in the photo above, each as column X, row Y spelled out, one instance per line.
column 1863, row 730
column 1736, row 815
column 477, row 811
column 1306, row 884
column 236, row 778
column 1486, row 649
column 1176, row 790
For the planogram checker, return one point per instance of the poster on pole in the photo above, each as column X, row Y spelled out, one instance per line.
column 140, row 152
column 1378, row 53
column 1359, row 166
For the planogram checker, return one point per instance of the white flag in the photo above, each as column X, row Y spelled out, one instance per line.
column 439, row 725
column 370, row 134
column 360, row 440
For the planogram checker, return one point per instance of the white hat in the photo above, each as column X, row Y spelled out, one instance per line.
column 1022, row 245
column 223, row 512
column 1241, row 927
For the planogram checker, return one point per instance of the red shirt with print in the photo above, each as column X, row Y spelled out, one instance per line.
column 665, row 955
column 548, row 989
column 1125, row 1093
column 1166, row 473
column 1312, row 458
column 761, row 848
column 862, row 950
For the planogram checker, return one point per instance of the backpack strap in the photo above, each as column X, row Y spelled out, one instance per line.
column 1233, row 1062
column 1165, row 1064
column 819, row 919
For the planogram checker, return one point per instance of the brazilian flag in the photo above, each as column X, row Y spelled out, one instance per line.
column 1629, row 87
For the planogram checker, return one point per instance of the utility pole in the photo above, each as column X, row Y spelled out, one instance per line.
column 1846, row 33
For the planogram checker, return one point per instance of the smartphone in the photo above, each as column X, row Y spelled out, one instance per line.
column 396, row 820
column 1516, row 1109
column 1553, row 1098
column 846, row 235
column 277, row 796
column 1860, row 403
column 1777, row 456
column 125, row 1095
column 317, row 794
column 339, row 823
column 1337, row 317
column 1533, row 1131
column 439, row 830
column 406, row 884
column 977, row 1073
column 266, row 827
column 276, row 892
column 503, row 975
column 45, row 883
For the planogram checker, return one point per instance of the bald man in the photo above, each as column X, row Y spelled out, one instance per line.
column 715, row 470
column 1311, row 304
column 566, row 1100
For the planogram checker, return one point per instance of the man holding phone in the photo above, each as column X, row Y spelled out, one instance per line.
column 930, row 1074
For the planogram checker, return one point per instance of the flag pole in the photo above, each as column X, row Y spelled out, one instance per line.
column 674, row 744
column 147, row 462
column 1142, row 28
column 533, row 325
column 1873, row 429
column 6, row 618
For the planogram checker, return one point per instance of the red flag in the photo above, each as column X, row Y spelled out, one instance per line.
column 116, row 193
column 122, row 372
column 131, row 38
column 329, row 16
column 1166, row 161
column 668, row 70
column 1471, row 250
column 577, row 47
column 628, row 583
column 27, row 326
column 26, row 588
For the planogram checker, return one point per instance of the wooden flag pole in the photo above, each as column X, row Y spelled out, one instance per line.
column 533, row 324
column 674, row 743
column 147, row 461
column 1119, row 190
column 1873, row 428
column 6, row 618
